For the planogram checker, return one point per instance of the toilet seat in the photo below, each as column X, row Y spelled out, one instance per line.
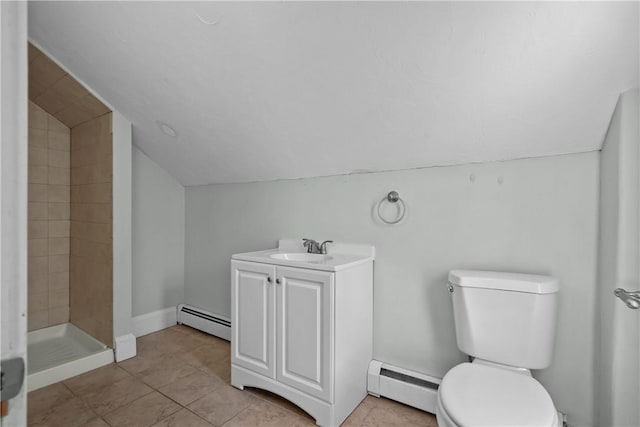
column 480, row 395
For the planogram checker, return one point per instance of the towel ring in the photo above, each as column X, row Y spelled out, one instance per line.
column 392, row 197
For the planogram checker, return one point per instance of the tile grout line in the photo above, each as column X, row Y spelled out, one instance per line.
column 198, row 415
column 183, row 406
column 238, row 413
column 199, row 368
column 141, row 397
column 120, row 407
column 81, row 400
column 115, row 409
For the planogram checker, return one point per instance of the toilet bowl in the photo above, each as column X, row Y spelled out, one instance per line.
column 473, row 394
column 506, row 322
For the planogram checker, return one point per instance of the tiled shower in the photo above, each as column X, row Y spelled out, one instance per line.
column 91, row 258
column 70, row 264
column 49, row 225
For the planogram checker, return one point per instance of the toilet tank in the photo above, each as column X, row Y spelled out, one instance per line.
column 505, row 318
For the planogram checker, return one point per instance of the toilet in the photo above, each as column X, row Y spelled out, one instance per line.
column 506, row 323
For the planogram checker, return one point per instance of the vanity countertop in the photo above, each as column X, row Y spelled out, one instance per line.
column 339, row 256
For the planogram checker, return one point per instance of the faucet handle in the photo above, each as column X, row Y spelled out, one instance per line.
column 309, row 244
column 323, row 246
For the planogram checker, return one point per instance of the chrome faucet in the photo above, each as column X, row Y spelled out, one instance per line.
column 323, row 246
column 313, row 247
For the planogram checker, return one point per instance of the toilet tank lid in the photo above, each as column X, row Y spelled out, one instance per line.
column 515, row 282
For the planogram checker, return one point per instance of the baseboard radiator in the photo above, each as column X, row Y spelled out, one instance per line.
column 409, row 387
column 211, row 323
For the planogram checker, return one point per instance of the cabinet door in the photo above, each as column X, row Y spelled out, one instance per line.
column 252, row 317
column 305, row 330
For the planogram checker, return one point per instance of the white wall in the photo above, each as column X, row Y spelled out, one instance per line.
column 542, row 219
column 122, row 245
column 13, row 195
column 158, row 237
column 619, row 344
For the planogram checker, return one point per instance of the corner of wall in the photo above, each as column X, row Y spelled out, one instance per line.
column 122, row 217
column 159, row 209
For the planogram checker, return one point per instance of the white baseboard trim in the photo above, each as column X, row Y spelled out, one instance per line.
column 125, row 347
column 154, row 321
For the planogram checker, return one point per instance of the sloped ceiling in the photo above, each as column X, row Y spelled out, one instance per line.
column 262, row 91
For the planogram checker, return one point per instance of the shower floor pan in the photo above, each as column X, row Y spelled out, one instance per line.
column 60, row 352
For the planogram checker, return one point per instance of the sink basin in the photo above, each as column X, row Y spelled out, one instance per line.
column 302, row 257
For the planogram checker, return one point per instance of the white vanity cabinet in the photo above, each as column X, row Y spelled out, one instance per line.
column 303, row 333
column 284, row 324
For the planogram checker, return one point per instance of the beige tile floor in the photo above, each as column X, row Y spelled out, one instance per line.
column 181, row 378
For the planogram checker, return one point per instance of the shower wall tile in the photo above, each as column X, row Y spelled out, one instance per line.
column 58, row 315
column 59, row 280
column 92, row 193
column 38, row 229
column 38, row 193
column 59, row 141
column 38, row 247
column 89, row 155
column 91, row 259
column 38, row 156
column 73, row 115
column 92, row 232
column 38, row 302
column 44, row 71
column 35, row 89
column 59, row 193
column 84, row 269
column 59, row 211
column 58, row 263
column 91, row 212
column 33, row 52
column 50, row 101
column 49, row 214
column 38, row 174
column 101, row 171
column 60, row 176
column 38, row 282
column 56, row 125
column 59, row 298
column 37, row 118
column 59, row 228
column 38, row 320
column 91, row 105
column 38, row 211
column 39, row 265
column 70, row 89
column 59, row 159
column 59, row 245
column 91, row 250
column 38, row 138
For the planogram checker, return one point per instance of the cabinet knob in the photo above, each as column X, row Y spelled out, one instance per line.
column 278, row 281
column 269, row 279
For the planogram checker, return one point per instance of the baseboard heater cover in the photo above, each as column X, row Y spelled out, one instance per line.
column 211, row 323
column 403, row 385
